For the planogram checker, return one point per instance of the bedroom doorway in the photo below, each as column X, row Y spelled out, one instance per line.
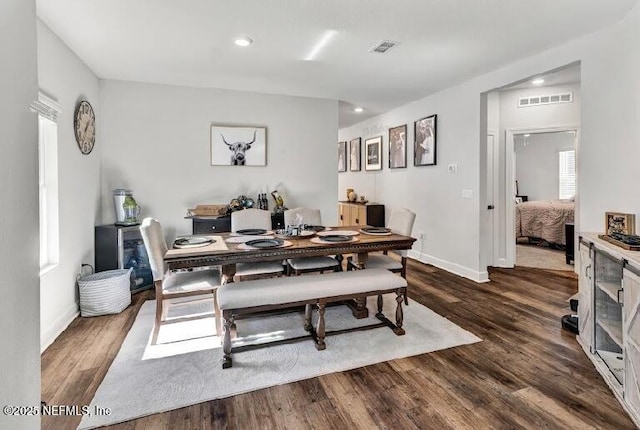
column 544, row 178
column 539, row 106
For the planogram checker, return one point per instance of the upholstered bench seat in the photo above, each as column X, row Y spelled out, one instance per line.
column 251, row 297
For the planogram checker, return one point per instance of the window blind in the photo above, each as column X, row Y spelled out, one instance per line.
column 567, row 174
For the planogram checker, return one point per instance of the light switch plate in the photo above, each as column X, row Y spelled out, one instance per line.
column 467, row 194
column 452, row 168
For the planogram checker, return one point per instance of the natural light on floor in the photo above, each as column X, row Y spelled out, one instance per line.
column 197, row 335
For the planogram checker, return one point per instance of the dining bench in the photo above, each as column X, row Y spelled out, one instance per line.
column 257, row 296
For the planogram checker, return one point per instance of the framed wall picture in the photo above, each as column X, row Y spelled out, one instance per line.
column 238, row 146
column 398, row 147
column 354, row 154
column 342, row 156
column 616, row 222
column 373, row 153
column 425, row 140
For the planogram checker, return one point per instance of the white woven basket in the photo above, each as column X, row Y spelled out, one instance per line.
column 105, row 293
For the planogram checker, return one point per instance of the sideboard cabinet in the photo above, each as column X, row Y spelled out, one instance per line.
column 222, row 224
column 360, row 214
column 609, row 316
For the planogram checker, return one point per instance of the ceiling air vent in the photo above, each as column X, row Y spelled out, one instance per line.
column 383, row 46
column 545, row 100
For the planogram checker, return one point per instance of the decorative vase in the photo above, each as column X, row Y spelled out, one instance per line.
column 349, row 191
column 353, row 196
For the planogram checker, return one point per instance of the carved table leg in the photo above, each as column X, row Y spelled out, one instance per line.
column 340, row 258
column 380, row 302
column 320, row 345
column 358, row 307
column 226, row 343
column 362, row 259
column 399, row 315
column 228, row 272
column 307, row 317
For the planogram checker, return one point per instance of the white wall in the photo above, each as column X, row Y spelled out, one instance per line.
column 537, row 163
column 610, row 62
column 64, row 77
column 157, row 142
column 19, row 286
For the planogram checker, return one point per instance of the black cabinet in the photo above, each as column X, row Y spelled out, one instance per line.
column 119, row 247
column 222, row 224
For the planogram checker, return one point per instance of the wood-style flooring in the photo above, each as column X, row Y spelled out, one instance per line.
column 526, row 373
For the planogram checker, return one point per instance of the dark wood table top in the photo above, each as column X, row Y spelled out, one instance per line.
column 212, row 255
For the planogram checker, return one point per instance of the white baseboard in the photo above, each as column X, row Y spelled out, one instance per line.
column 502, row 262
column 54, row 330
column 454, row 268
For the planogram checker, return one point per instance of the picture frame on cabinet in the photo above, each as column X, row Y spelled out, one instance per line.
column 373, row 153
column 354, row 154
column 238, row 146
column 342, row 156
column 425, row 141
column 398, row 147
column 620, row 223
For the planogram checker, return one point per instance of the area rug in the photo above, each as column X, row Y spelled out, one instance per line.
column 185, row 367
column 541, row 257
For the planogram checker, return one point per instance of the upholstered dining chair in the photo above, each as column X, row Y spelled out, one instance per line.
column 297, row 266
column 258, row 219
column 401, row 222
column 203, row 283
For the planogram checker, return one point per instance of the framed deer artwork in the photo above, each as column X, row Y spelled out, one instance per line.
column 238, row 146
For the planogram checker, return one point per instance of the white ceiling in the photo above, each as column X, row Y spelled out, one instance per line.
column 443, row 42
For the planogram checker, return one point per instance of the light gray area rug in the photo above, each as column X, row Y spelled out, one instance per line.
column 541, row 257
column 185, row 367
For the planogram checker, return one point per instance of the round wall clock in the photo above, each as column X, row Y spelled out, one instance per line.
column 84, row 124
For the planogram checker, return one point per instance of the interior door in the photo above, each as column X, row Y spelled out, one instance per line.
column 491, row 202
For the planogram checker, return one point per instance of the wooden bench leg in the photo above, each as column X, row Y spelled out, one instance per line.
column 400, row 293
column 226, row 344
column 307, row 318
column 320, row 345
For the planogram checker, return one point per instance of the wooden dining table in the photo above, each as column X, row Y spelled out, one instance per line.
column 227, row 255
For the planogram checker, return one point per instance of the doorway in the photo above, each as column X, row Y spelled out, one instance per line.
column 545, row 189
column 540, row 111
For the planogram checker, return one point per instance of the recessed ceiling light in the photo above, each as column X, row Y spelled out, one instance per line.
column 538, row 81
column 527, row 135
column 243, row 41
column 358, row 110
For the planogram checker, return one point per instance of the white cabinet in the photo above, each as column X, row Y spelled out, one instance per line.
column 585, row 298
column 609, row 317
column 631, row 323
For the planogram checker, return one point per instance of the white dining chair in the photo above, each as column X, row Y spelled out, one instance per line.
column 200, row 283
column 401, row 222
column 297, row 266
column 254, row 219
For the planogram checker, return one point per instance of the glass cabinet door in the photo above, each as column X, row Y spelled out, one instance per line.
column 608, row 313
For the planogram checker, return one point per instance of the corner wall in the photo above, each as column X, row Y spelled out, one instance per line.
column 64, row 77
column 607, row 157
column 157, row 143
column 19, row 285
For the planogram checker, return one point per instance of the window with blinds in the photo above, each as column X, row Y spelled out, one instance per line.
column 567, row 171
column 48, row 110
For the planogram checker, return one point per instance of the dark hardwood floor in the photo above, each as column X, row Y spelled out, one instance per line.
column 526, row 373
